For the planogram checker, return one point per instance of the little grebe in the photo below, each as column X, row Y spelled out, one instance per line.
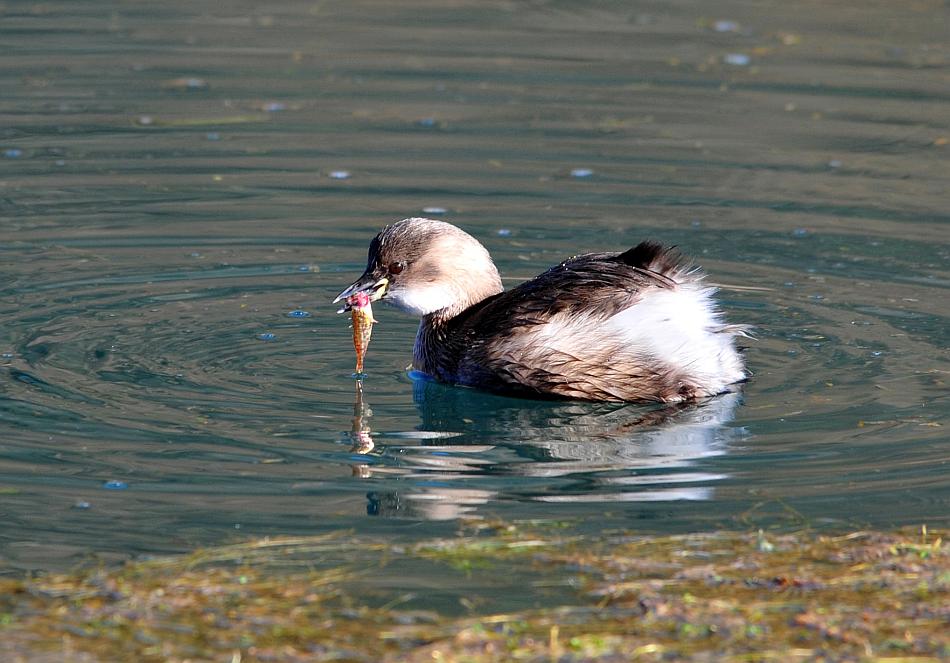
column 633, row 326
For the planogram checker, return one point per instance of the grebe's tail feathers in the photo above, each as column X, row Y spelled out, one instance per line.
column 654, row 257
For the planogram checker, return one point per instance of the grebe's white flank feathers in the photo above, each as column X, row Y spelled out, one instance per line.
column 684, row 329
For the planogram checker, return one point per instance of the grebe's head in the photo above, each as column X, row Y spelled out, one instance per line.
column 423, row 266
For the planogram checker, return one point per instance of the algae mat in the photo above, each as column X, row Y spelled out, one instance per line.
column 723, row 596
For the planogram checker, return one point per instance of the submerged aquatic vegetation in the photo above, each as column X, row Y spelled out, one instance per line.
column 864, row 595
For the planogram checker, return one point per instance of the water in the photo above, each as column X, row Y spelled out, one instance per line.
column 179, row 180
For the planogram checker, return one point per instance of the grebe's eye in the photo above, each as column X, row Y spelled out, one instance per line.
column 397, row 267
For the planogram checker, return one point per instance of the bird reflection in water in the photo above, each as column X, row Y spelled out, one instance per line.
column 495, row 448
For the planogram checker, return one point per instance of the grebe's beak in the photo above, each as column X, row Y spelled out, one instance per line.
column 372, row 284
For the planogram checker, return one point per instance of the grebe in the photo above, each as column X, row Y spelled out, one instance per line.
column 633, row 326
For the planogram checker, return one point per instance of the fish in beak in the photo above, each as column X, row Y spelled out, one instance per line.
column 373, row 285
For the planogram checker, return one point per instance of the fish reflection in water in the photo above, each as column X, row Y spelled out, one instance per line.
column 360, row 438
column 561, row 451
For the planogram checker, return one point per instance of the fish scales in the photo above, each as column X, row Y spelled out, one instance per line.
column 362, row 313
